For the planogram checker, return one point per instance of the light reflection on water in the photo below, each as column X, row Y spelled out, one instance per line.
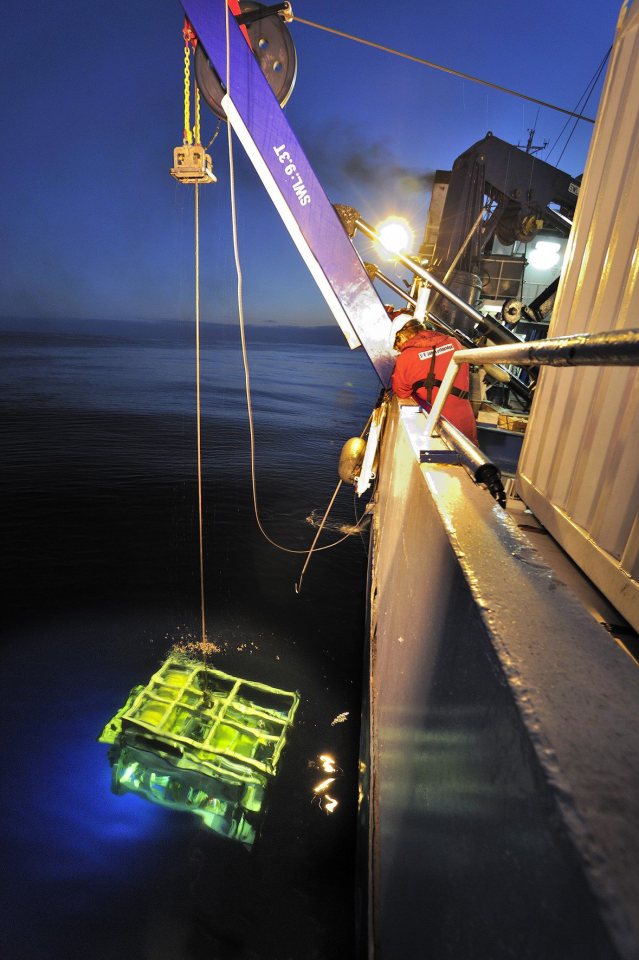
column 101, row 578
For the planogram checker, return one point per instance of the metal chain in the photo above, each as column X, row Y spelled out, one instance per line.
column 188, row 136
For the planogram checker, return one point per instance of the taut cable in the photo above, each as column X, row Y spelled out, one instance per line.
column 438, row 66
column 198, row 411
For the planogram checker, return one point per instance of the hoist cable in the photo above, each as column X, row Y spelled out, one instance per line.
column 198, row 409
column 240, row 307
column 438, row 66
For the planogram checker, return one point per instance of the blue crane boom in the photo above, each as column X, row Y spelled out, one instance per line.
column 261, row 127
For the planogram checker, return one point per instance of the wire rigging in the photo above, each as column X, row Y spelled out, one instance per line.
column 592, row 85
column 438, row 66
column 247, row 378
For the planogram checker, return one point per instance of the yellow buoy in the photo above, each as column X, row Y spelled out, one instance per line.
column 351, row 459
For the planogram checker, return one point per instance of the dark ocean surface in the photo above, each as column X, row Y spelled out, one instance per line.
column 100, row 576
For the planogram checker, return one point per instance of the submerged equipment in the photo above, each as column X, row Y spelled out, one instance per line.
column 202, row 741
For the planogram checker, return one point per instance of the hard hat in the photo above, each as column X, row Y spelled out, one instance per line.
column 397, row 324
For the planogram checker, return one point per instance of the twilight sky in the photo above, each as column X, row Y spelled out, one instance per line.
column 93, row 226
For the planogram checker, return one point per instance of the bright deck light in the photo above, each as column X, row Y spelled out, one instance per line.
column 395, row 235
column 544, row 255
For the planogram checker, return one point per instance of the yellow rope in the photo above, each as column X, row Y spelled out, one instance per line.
column 438, row 66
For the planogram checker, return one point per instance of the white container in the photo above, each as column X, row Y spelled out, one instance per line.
column 579, row 468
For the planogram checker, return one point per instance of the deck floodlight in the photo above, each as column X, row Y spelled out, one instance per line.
column 396, row 235
column 202, row 741
column 544, row 255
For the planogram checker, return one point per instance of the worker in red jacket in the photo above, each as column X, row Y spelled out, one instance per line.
column 424, row 355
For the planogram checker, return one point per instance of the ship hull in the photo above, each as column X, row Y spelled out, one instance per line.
column 494, row 759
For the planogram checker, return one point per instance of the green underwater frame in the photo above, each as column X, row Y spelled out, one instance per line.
column 200, row 740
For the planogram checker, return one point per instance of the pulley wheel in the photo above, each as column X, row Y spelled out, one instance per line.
column 512, row 311
column 275, row 53
column 518, row 224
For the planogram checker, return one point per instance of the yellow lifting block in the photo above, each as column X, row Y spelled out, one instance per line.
column 192, row 165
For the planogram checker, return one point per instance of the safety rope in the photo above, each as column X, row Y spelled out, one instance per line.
column 438, row 66
column 240, row 307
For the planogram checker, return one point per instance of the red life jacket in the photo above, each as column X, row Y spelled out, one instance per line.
column 420, row 369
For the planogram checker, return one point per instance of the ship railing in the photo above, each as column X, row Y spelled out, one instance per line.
column 619, row 348
column 352, row 221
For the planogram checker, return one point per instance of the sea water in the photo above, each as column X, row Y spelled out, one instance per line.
column 100, row 578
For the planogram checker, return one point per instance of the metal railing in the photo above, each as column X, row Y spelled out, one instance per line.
column 352, row 221
column 612, row 348
column 498, row 373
